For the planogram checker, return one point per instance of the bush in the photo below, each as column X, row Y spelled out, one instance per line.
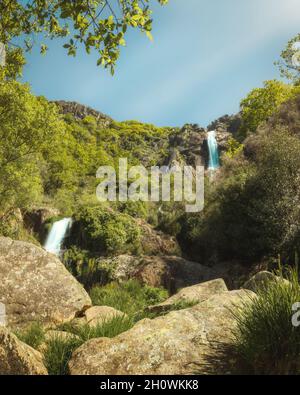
column 134, row 209
column 265, row 339
column 261, row 103
column 129, row 297
column 105, row 231
column 88, row 270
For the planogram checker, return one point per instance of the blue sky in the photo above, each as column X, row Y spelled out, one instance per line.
column 206, row 56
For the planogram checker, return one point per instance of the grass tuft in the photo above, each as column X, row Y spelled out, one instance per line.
column 34, row 335
column 265, row 339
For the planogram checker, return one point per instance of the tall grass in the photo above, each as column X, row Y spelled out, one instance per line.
column 34, row 335
column 129, row 297
column 59, row 351
column 265, row 338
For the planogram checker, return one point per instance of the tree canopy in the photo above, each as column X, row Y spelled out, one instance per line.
column 261, row 103
column 96, row 24
column 289, row 64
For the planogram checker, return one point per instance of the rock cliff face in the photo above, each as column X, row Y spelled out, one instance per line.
column 80, row 112
column 189, row 145
column 35, row 286
column 227, row 124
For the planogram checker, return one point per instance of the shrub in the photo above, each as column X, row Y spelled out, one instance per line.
column 88, row 270
column 265, row 339
column 129, row 297
column 134, row 209
column 105, row 231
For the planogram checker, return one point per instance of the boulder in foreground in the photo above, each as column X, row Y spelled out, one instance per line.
column 17, row 358
column 35, row 286
column 182, row 342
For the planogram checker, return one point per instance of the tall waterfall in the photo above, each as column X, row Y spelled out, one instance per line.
column 214, row 162
column 56, row 235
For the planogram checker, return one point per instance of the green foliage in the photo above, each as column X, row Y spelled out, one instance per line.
column 58, row 350
column 169, row 217
column 253, row 212
column 28, row 125
column 135, row 141
column 69, row 170
column 265, row 338
column 96, row 24
column 109, row 328
column 134, row 209
column 106, row 231
column 14, row 63
column 34, row 335
column 89, row 271
column 129, row 297
column 289, row 65
column 58, row 354
column 234, row 148
column 261, row 103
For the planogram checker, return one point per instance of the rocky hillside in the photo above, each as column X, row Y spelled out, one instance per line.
column 187, row 144
column 79, row 111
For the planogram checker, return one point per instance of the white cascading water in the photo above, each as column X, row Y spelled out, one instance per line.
column 214, row 162
column 56, row 235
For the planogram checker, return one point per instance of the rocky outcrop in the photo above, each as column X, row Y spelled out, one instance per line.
column 189, row 145
column 261, row 280
column 36, row 219
column 154, row 242
column 197, row 340
column 227, row 124
column 170, row 272
column 35, row 285
column 194, row 294
column 17, row 358
column 80, row 111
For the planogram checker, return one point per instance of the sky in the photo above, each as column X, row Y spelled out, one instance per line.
column 205, row 57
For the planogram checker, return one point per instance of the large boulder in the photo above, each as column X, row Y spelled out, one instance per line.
column 194, row 294
column 261, row 280
column 192, row 341
column 170, row 272
column 35, row 285
column 17, row 358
